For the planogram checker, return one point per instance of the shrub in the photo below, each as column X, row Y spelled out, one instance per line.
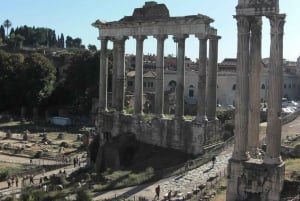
column 3, row 175
column 83, row 195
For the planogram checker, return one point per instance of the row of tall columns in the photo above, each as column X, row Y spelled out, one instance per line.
column 201, row 111
column 247, row 116
column 212, row 78
column 206, row 87
column 275, row 90
column 242, row 92
column 254, row 85
column 159, row 90
column 103, row 75
column 120, row 60
column 179, row 109
column 138, row 87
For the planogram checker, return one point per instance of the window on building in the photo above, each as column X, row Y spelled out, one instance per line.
column 263, row 86
column 233, row 87
column 145, row 84
column 191, row 91
column 290, row 86
column 130, row 83
column 294, row 86
column 284, row 86
column 172, row 83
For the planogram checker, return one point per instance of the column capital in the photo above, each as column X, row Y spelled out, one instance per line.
column 214, row 37
column 201, row 36
column 103, row 38
column 140, row 37
column 243, row 24
column 277, row 23
column 179, row 37
column 120, row 38
column 256, row 25
column 160, row 36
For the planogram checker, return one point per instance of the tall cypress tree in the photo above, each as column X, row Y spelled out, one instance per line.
column 2, row 32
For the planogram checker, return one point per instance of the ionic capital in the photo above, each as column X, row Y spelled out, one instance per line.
column 214, row 37
column 140, row 37
column 201, row 36
column 180, row 37
column 120, row 39
column 161, row 37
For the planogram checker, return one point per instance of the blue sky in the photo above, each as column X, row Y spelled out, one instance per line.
column 74, row 18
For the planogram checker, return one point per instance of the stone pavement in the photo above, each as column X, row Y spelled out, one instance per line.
column 183, row 183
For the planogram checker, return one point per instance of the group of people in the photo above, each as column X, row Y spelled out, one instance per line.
column 12, row 180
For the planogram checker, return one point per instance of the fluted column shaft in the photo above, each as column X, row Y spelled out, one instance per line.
column 179, row 110
column 114, row 74
column 275, row 91
column 120, row 95
column 242, row 90
column 254, row 86
column 159, row 90
column 212, row 78
column 138, row 85
column 103, row 75
column 201, row 98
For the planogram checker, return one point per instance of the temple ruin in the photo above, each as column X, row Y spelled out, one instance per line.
column 189, row 136
column 250, row 176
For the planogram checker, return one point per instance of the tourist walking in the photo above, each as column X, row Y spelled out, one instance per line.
column 31, row 179
column 213, row 161
column 157, row 192
column 17, row 181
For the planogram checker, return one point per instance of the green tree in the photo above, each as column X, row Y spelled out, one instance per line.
column 2, row 32
column 81, row 84
column 11, row 69
column 92, row 48
column 69, row 42
column 39, row 78
column 7, row 24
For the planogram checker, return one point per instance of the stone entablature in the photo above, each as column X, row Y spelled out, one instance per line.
column 196, row 24
column 257, row 7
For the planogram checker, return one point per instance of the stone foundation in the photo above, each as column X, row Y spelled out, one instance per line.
column 255, row 180
column 187, row 136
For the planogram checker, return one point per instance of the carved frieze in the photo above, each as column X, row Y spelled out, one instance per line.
column 262, row 3
column 257, row 7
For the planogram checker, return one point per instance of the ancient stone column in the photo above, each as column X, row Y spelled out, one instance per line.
column 201, row 103
column 159, row 90
column 114, row 74
column 254, row 86
column 179, row 109
column 138, row 85
column 275, row 90
column 120, row 85
column 103, row 75
column 212, row 78
column 242, row 90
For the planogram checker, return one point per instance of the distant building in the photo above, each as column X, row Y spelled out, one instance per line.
column 226, row 80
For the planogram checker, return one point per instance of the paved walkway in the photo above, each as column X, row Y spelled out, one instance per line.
column 183, row 183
